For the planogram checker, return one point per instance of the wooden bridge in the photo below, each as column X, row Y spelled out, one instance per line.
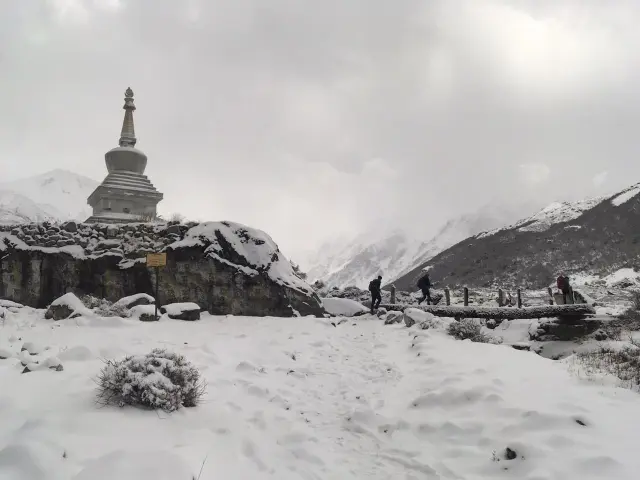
column 501, row 313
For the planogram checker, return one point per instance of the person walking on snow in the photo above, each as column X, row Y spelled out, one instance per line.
column 374, row 287
column 424, row 284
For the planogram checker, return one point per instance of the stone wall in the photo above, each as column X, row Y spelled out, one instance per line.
column 225, row 268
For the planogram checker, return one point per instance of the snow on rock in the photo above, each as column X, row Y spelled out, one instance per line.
column 415, row 315
column 66, row 306
column 393, row 317
column 343, row 307
column 32, row 348
column 135, row 300
column 625, row 195
column 5, row 353
column 53, row 363
column 182, row 311
column 9, row 304
column 253, row 251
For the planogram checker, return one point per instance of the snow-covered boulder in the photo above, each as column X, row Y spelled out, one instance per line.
column 66, row 306
column 9, row 304
column 182, row 311
column 32, row 348
column 134, row 300
column 144, row 313
column 343, row 307
column 393, row 317
column 5, row 353
column 415, row 315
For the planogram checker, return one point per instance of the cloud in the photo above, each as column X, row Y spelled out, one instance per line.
column 600, row 179
column 315, row 119
column 534, row 173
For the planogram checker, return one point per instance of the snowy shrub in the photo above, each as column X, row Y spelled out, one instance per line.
column 624, row 363
column 469, row 329
column 92, row 302
column 160, row 379
column 104, row 307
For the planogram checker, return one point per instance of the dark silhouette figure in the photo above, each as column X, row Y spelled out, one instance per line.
column 374, row 288
column 565, row 287
column 424, row 284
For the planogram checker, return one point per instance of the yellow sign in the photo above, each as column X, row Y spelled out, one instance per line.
column 156, row 259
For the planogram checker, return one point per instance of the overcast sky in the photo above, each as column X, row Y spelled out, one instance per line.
column 310, row 119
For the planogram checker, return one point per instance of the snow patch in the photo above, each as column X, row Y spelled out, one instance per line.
column 625, row 196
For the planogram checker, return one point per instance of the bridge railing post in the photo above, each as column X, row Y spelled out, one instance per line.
column 447, row 296
column 500, row 298
column 519, row 292
column 466, row 297
column 393, row 294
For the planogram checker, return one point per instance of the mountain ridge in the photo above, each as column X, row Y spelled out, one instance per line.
column 596, row 235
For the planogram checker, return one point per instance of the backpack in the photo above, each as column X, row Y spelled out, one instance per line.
column 371, row 286
column 424, row 282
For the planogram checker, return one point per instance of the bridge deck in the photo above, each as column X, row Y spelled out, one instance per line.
column 506, row 313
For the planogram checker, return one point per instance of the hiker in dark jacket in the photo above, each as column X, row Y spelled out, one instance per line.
column 424, row 284
column 374, row 287
column 564, row 286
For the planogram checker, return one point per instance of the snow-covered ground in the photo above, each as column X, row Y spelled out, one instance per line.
column 303, row 399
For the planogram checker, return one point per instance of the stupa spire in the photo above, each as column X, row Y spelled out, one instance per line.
column 128, row 134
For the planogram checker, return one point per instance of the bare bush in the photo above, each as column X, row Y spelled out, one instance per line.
column 159, row 380
column 177, row 218
column 628, row 321
column 623, row 363
column 469, row 329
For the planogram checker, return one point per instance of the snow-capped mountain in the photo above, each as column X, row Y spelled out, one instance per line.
column 556, row 212
column 55, row 195
column 348, row 262
column 595, row 236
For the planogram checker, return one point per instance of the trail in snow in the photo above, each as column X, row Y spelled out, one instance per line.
column 302, row 399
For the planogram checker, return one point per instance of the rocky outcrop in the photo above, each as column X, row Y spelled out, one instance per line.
column 225, row 268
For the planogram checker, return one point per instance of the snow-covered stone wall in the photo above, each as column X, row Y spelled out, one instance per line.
column 224, row 267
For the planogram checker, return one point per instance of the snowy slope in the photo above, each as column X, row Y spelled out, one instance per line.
column 16, row 208
column 354, row 262
column 557, row 212
column 302, row 399
column 59, row 194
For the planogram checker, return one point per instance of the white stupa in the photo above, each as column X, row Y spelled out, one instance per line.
column 126, row 195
